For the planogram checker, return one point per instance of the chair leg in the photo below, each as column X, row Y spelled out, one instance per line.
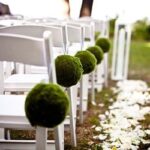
column 1, row 78
column 59, row 137
column 85, row 92
column 75, row 95
column 2, row 134
column 41, row 138
column 100, row 76
column 81, row 102
column 84, row 86
column 93, row 88
column 105, row 70
column 72, row 118
column 7, row 134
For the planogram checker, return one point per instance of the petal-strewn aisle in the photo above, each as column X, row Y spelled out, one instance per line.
column 120, row 126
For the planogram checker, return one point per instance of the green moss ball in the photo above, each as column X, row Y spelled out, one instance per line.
column 46, row 105
column 104, row 43
column 88, row 61
column 68, row 70
column 97, row 52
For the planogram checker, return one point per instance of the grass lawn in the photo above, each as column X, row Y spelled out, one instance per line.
column 139, row 60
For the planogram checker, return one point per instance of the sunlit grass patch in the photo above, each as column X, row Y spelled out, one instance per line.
column 139, row 60
column 147, row 44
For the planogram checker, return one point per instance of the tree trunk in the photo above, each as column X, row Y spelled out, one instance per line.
column 4, row 9
column 67, row 1
column 86, row 8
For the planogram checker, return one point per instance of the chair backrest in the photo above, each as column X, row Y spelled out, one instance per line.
column 75, row 34
column 41, row 20
column 71, row 33
column 36, row 31
column 64, row 32
column 6, row 23
column 28, row 50
column 89, row 29
column 100, row 25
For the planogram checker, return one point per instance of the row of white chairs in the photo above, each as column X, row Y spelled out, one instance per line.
column 59, row 39
column 24, row 82
column 22, row 30
column 17, row 48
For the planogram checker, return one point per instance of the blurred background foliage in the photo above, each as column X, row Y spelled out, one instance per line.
column 140, row 29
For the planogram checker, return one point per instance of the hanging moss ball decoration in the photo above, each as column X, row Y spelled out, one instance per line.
column 88, row 61
column 68, row 70
column 46, row 105
column 97, row 52
column 104, row 43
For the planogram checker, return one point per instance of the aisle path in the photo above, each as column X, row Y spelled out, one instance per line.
column 120, row 127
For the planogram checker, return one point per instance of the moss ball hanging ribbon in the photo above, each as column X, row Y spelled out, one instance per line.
column 68, row 70
column 104, row 43
column 97, row 52
column 46, row 105
column 88, row 61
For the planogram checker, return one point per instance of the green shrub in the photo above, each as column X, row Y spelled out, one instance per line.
column 68, row 70
column 147, row 36
column 88, row 61
column 141, row 30
column 46, row 105
column 104, row 43
column 97, row 52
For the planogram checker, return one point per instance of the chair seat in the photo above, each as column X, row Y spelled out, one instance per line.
column 12, row 105
column 12, row 112
column 23, row 82
column 12, row 115
column 12, row 109
column 23, row 144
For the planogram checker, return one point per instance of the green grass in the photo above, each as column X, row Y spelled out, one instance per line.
column 139, row 59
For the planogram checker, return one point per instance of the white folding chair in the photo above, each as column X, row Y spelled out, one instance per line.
column 59, row 46
column 121, row 49
column 102, row 26
column 72, row 91
column 17, row 48
column 24, row 82
column 75, row 34
column 101, row 73
column 89, row 34
column 76, row 40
